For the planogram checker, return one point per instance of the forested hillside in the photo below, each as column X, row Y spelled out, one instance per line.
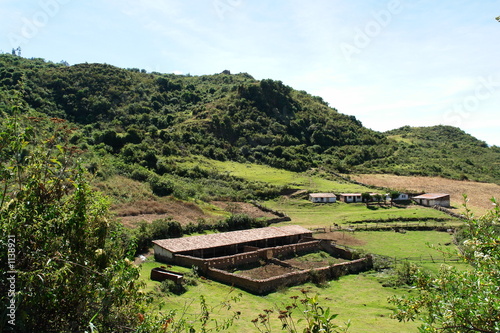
column 148, row 118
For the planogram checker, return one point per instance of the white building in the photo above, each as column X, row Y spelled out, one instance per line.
column 433, row 199
column 322, row 197
column 401, row 197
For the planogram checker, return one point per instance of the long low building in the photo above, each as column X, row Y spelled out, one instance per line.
column 322, row 197
column 433, row 199
column 228, row 243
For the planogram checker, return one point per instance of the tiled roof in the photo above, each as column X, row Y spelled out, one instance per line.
column 176, row 245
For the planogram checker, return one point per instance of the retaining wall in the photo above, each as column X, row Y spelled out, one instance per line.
column 265, row 286
column 246, row 257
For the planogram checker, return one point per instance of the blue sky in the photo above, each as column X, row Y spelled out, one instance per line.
column 389, row 63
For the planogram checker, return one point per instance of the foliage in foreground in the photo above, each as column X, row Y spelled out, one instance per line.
column 312, row 317
column 66, row 260
column 461, row 300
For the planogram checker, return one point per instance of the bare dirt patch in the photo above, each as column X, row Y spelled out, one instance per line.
column 242, row 208
column 266, row 271
column 479, row 194
column 342, row 238
column 131, row 214
column 311, row 264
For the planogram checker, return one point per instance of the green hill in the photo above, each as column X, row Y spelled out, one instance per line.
column 145, row 119
column 444, row 151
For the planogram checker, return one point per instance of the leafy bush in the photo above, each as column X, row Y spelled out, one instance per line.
column 169, row 286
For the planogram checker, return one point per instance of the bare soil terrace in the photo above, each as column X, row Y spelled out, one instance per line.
column 130, row 214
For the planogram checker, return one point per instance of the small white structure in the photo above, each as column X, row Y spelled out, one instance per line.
column 433, row 199
column 357, row 197
column 322, row 197
column 351, row 197
column 401, row 197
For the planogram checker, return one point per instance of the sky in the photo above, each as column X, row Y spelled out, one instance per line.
column 390, row 63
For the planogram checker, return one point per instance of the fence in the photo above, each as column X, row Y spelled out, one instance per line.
column 428, row 259
column 388, row 226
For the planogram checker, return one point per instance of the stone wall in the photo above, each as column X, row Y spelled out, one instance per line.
column 336, row 251
column 245, row 257
column 213, row 267
column 265, row 286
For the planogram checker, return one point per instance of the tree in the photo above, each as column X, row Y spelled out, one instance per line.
column 394, row 195
column 61, row 259
column 366, row 197
column 461, row 300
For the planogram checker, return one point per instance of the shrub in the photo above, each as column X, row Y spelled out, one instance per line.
column 169, row 286
column 160, row 185
column 166, row 228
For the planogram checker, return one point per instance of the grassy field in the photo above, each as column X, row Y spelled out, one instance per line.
column 360, row 299
column 314, row 182
column 312, row 215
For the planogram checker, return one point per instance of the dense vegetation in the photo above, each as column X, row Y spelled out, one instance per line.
column 145, row 119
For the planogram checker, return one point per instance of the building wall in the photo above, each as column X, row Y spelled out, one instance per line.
column 323, row 199
column 162, row 255
column 402, row 196
column 444, row 202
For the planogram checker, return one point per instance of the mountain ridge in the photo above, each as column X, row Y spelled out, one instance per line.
column 143, row 118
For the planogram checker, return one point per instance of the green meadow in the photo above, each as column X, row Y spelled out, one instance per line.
column 311, row 181
column 313, row 215
column 360, row 299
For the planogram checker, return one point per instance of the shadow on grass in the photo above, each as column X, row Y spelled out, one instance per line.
column 377, row 207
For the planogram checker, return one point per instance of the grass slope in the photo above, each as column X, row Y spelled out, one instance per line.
column 312, row 215
column 360, row 299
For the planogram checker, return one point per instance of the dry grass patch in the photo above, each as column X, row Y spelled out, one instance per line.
column 132, row 213
column 341, row 238
column 183, row 212
column 479, row 194
column 242, row 208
